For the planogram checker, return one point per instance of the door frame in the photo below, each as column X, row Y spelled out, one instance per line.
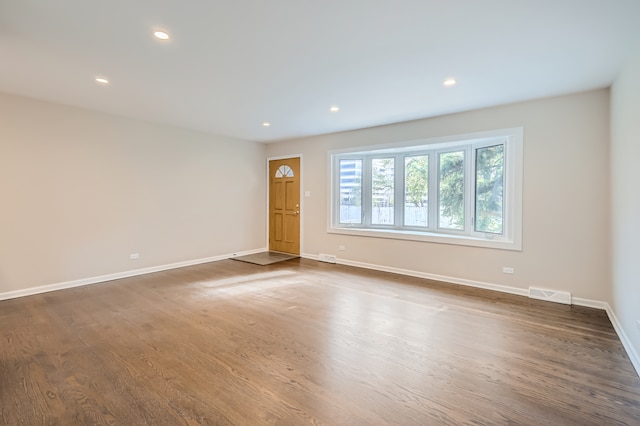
column 282, row 157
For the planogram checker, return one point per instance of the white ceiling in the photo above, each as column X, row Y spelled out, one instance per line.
column 232, row 64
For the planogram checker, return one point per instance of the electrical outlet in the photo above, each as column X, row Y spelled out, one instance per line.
column 342, row 248
column 134, row 256
column 508, row 270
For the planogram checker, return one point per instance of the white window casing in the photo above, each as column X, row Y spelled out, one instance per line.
column 512, row 179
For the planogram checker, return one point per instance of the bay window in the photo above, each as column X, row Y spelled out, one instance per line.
column 460, row 190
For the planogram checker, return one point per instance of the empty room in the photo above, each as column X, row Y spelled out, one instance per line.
column 329, row 213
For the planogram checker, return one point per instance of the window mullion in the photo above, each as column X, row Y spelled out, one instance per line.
column 469, row 190
column 366, row 192
column 398, row 192
column 434, row 166
column 505, row 193
column 473, row 187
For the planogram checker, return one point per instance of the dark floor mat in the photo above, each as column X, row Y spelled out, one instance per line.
column 265, row 258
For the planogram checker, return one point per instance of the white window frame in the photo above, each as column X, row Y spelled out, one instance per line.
column 510, row 239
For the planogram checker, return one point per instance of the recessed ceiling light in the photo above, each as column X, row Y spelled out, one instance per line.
column 334, row 108
column 162, row 35
column 450, row 82
column 102, row 80
column 266, row 124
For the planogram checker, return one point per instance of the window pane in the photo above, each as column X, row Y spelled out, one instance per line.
column 284, row 171
column 351, row 191
column 489, row 187
column 451, row 190
column 416, row 191
column 382, row 187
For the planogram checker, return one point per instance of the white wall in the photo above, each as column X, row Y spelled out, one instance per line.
column 80, row 191
column 625, row 190
column 565, row 212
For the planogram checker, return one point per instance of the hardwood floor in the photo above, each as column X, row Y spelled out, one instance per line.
column 302, row 342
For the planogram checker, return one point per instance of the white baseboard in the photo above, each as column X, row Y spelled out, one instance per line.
column 622, row 335
column 588, row 303
column 435, row 277
column 118, row 275
column 626, row 343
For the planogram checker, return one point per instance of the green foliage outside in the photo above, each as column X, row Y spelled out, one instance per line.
column 489, row 189
column 416, row 172
column 452, row 190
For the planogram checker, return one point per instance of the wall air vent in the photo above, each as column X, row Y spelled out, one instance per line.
column 329, row 258
column 550, row 295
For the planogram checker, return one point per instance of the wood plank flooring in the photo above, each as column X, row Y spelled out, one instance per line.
column 302, row 342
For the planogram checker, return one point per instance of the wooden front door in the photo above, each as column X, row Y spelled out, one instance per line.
column 284, row 205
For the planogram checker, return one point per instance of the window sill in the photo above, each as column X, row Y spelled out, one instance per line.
column 429, row 237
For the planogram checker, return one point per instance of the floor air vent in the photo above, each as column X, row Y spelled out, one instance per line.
column 329, row 258
column 550, row 295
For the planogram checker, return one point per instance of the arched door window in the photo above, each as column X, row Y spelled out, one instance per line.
column 284, row 171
